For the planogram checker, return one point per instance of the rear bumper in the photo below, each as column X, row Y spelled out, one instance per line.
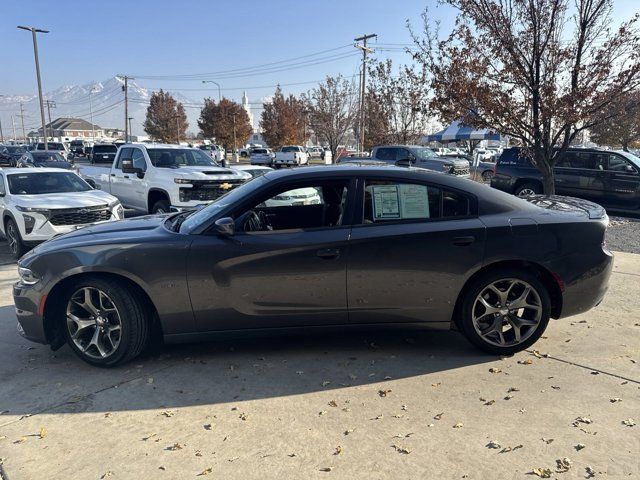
column 588, row 289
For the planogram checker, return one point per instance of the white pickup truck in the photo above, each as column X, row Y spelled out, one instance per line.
column 291, row 155
column 158, row 178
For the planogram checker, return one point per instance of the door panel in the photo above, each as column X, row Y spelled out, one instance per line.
column 411, row 272
column 269, row 279
column 622, row 186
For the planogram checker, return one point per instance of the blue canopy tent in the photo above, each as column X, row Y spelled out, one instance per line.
column 456, row 132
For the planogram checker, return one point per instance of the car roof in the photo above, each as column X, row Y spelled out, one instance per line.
column 151, row 146
column 13, row 171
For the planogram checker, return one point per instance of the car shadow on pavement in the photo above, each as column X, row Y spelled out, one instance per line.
column 35, row 379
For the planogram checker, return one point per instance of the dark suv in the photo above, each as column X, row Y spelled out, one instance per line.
column 610, row 178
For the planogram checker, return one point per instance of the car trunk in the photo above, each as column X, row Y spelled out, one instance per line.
column 570, row 205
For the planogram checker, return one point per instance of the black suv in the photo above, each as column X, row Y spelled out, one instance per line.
column 610, row 178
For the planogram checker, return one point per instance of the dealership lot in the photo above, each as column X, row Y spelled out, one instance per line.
column 355, row 404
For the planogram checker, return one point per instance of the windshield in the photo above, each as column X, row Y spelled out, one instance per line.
column 200, row 216
column 630, row 156
column 45, row 182
column 53, row 146
column 47, row 157
column 15, row 150
column 175, row 158
column 104, row 149
column 423, row 153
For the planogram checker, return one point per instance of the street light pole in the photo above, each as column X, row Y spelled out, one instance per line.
column 216, row 83
column 93, row 131
column 235, row 152
column 1, row 134
column 33, row 31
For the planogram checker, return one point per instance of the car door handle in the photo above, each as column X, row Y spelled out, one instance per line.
column 463, row 241
column 113, row 174
column 126, row 176
column 328, row 253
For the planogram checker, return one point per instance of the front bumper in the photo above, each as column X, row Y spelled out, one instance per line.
column 28, row 305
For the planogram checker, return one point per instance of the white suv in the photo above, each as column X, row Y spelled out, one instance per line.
column 37, row 204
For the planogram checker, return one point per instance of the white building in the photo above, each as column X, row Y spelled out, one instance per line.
column 256, row 136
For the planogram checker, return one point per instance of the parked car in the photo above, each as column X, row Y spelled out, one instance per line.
column 291, row 155
column 262, row 156
column 297, row 196
column 36, row 205
column 57, row 147
column 77, row 148
column 103, row 153
column 418, row 156
column 253, row 170
column 610, row 178
column 42, row 159
column 10, row 154
column 386, row 246
column 483, row 169
column 158, row 178
column 215, row 151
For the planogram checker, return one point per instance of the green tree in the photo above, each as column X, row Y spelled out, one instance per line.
column 166, row 119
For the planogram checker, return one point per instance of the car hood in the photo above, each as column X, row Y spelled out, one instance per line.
column 90, row 198
column 568, row 205
column 131, row 230
column 212, row 173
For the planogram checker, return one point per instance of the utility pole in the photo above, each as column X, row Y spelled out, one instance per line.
column 50, row 105
column 129, row 118
column 93, row 131
column 13, row 124
column 24, row 135
column 365, row 50
column 125, row 89
column 235, row 152
column 1, row 133
column 33, row 31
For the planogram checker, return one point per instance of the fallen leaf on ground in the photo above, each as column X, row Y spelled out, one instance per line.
column 150, row 380
column 555, row 387
column 107, row 415
column 299, row 372
column 151, row 435
column 510, row 449
column 175, row 446
column 547, row 440
column 338, row 450
column 430, row 425
column 403, row 408
column 438, row 416
column 333, row 403
column 513, row 389
column 580, row 420
column 208, row 426
column 490, row 402
column 243, row 416
column 378, row 417
column 348, row 431
column 21, row 440
column 403, row 436
column 43, row 432
column 400, row 449
column 168, row 413
column 495, row 370
column 106, row 474
column 206, row 471
column 528, row 361
column 384, row 393
column 542, row 472
column 458, row 425
column 563, row 464
column 162, row 467
column 590, row 472
column 436, row 384
column 325, row 383
column 322, row 412
column 629, row 422
column 579, row 446
column 615, row 400
column 493, row 444
column 291, row 455
column 352, row 376
column 508, row 397
column 326, row 469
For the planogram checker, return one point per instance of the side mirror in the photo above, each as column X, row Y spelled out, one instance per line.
column 225, row 226
column 630, row 169
column 127, row 167
column 405, row 162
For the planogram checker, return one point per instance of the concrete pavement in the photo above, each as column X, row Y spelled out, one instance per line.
column 379, row 405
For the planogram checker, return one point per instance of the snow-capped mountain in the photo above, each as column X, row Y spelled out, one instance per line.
column 107, row 103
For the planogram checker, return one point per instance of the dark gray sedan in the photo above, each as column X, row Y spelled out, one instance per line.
column 382, row 246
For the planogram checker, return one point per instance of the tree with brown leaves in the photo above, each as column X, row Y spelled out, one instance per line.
column 217, row 121
column 620, row 125
column 333, row 108
column 538, row 71
column 284, row 121
column 166, row 119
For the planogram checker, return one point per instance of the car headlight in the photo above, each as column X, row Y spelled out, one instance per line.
column 44, row 211
column 182, row 180
column 27, row 277
column 114, row 203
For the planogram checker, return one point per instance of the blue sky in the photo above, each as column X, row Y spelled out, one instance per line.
column 96, row 40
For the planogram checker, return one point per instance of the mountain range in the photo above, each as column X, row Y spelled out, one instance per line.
column 107, row 103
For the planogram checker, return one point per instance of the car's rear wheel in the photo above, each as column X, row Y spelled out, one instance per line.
column 528, row 189
column 505, row 311
column 487, row 176
column 160, row 207
column 105, row 324
column 14, row 239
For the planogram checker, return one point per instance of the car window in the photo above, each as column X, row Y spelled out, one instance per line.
column 582, row 160
column 386, row 153
column 386, row 201
column 617, row 163
column 138, row 159
column 106, row 149
column 297, row 206
column 2, row 189
column 126, row 154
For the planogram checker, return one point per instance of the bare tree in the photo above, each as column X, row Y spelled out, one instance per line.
column 333, row 108
column 535, row 70
column 397, row 103
column 166, row 119
column 620, row 124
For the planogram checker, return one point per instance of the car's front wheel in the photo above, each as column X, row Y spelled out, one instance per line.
column 14, row 239
column 528, row 189
column 505, row 311
column 105, row 324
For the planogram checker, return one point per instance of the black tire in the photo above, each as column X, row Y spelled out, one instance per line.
column 14, row 239
column 134, row 320
column 487, row 175
column 525, row 188
column 466, row 323
column 161, row 206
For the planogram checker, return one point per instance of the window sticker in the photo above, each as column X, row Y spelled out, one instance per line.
column 386, row 202
column 403, row 201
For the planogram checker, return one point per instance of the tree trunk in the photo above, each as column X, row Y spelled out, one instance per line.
column 548, row 181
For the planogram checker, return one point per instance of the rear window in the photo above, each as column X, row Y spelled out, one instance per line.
column 290, row 149
column 104, row 149
column 260, row 150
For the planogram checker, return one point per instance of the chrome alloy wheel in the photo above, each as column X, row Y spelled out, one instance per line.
column 12, row 237
column 93, row 322
column 507, row 312
column 526, row 192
